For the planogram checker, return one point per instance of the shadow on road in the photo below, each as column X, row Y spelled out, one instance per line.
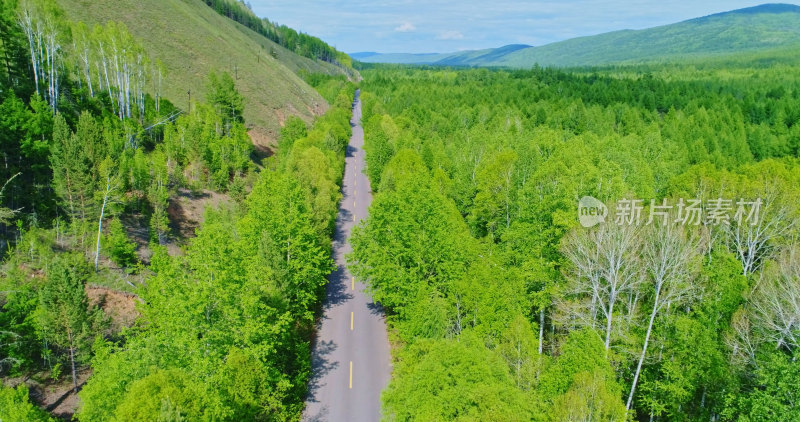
column 375, row 308
column 321, row 366
column 338, row 289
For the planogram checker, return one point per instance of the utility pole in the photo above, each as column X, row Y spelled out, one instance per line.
column 190, row 101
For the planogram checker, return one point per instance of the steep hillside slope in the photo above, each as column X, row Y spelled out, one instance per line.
column 481, row 57
column 191, row 39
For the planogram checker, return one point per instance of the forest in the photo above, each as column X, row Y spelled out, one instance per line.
column 501, row 306
column 94, row 162
column 502, row 303
column 298, row 42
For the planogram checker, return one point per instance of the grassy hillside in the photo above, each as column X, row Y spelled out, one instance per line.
column 193, row 40
column 752, row 29
column 481, row 57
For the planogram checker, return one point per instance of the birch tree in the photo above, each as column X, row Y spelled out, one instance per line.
column 111, row 58
column 83, row 44
column 110, row 184
column 667, row 260
column 159, row 73
column 606, row 267
column 41, row 22
column 754, row 238
column 776, row 302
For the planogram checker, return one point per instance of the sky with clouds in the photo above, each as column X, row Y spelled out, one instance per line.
column 434, row 26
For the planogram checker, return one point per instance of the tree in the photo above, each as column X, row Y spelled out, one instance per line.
column 754, row 240
column 579, row 371
column 775, row 396
column 164, row 391
column 605, row 267
column 518, row 346
column 667, row 260
column 378, row 147
column 157, row 194
column 492, row 204
column 72, row 167
column 64, row 316
column 291, row 237
column 591, row 397
column 294, row 129
column 83, row 48
column 7, row 214
column 449, row 380
column 42, row 23
column 120, row 249
column 16, row 407
column 413, row 237
column 776, row 303
column 227, row 101
column 110, row 185
column 14, row 51
column 313, row 169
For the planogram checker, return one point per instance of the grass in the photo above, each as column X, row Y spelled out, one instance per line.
column 728, row 33
column 192, row 40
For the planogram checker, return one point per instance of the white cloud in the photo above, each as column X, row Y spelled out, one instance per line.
column 450, row 35
column 406, row 27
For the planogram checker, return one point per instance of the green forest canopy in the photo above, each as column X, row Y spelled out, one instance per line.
column 504, row 307
column 501, row 306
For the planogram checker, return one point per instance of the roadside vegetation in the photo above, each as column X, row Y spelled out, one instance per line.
column 96, row 162
column 502, row 307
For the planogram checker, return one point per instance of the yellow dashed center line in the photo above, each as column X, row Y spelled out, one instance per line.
column 352, row 283
column 351, row 321
column 351, row 374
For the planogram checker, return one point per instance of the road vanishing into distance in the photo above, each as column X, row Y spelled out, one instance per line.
column 350, row 356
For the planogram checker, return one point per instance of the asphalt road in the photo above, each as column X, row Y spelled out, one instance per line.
column 350, row 356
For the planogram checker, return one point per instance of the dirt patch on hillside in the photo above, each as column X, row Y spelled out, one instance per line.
column 281, row 116
column 187, row 209
column 119, row 306
column 264, row 143
column 316, row 109
column 138, row 229
column 54, row 396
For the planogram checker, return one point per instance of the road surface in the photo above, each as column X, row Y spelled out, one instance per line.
column 350, row 356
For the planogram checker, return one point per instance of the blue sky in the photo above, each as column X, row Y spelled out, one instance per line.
column 419, row 26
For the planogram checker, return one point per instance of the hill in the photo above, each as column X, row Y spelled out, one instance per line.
column 195, row 40
column 462, row 58
column 752, row 29
column 400, row 58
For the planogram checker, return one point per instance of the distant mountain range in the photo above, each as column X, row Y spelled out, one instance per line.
column 754, row 28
